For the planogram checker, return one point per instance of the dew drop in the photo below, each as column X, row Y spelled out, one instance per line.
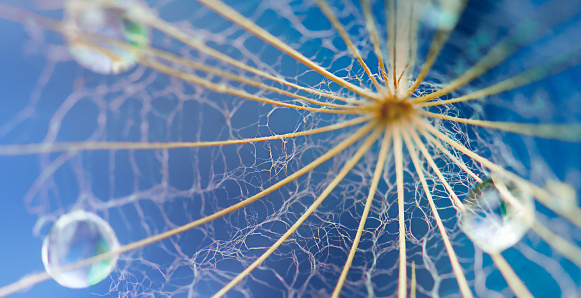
column 110, row 20
column 491, row 222
column 445, row 15
column 74, row 237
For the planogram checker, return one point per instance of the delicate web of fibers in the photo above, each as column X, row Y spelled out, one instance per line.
column 142, row 193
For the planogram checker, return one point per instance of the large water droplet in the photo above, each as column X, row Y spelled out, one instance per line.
column 74, row 237
column 491, row 222
column 109, row 20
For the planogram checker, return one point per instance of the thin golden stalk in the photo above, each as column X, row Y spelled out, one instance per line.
column 566, row 248
column 344, row 171
column 458, row 272
column 15, row 14
column 573, row 214
column 213, row 70
column 454, row 198
column 31, row 280
column 398, row 155
column 145, row 51
column 238, row 19
column 445, row 27
column 198, row 45
column 523, row 34
column 19, row 15
column 372, row 29
column 391, row 35
column 443, row 149
column 413, row 281
column 413, row 46
column 372, row 190
column 149, row 51
column 26, row 282
column 551, row 67
column 90, row 146
column 562, row 132
column 222, row 88
column 515, row 284
column 561, row 245
column 328, row 12
column 402, row 30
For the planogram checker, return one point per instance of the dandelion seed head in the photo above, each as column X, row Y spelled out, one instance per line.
column 142, row 193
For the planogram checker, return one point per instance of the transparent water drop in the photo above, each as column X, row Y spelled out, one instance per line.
column 74, row 237
column 443, row 14
column 491, row 222
column 109, row 19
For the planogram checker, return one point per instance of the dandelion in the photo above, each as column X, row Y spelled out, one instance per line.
column 421, row 148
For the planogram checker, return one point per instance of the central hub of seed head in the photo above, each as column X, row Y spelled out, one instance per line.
column 393, row 109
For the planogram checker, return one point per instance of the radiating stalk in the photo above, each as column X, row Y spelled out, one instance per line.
column 372, row 190
column 515, row 284
column 443, row 149
column 564, row 247
column 524, row 33
column 562, row 132
column 198, row 45
column 31, row 280
column 390, row 15
column 19, row 15
column 454, row 198
column 398, row 155
column 402, row 42
column 26, row 149
column 344, row 171
column 561, row 245
column 222, row 88
column 238, row 19
column 458, row 272
column 413, row 282
column 573, row 213
column 215, row 71
column 448, row 18
column 328, row 12
column 551, row 67
column 374, row 36
column 407, row 72
column 26, row 282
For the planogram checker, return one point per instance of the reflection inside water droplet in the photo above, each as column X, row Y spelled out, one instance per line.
column 90, row 16
column 74, row 237
column 491, row 222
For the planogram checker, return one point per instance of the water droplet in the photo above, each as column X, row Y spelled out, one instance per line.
column 491, row 222
column 109, row 20
column 74, row 237
column 443, row 16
